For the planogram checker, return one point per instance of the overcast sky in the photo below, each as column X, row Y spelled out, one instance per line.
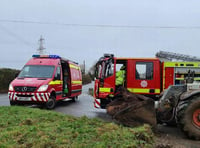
column 86, row 29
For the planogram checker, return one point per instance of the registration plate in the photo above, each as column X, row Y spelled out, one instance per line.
column 24, row 99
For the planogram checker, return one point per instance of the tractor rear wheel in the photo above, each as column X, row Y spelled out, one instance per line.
column 188, row 117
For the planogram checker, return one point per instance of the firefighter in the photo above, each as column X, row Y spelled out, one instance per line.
column 120, row 77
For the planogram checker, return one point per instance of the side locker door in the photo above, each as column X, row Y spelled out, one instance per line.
column 168, row 77
column 144, row 76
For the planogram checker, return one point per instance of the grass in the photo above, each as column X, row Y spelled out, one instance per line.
column 31, row 127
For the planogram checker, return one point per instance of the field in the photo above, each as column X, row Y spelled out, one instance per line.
column 31, row 127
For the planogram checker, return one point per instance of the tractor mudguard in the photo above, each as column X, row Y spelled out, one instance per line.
column 189, row 94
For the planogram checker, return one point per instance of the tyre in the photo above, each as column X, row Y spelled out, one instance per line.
column 12, row 103
column 51, row 103
column 188, row 117
column 74, row 99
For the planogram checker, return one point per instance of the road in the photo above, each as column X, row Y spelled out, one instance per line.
column 4, row 100
column 84, row 107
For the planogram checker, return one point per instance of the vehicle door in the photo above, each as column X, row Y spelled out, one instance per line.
column 143, row 76
column 105, row 80
column 58, row 83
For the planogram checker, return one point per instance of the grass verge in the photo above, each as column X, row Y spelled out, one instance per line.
column 31, row 127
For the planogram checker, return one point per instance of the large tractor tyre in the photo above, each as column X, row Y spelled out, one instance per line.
column 51, row 103
column 188, row 117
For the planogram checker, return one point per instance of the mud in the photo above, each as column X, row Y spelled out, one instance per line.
column 132, row 109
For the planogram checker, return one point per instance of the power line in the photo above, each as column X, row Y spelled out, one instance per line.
column 14, row 35
column 99, row 25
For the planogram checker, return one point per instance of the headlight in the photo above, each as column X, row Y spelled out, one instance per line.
column 43, row 88
column 10, row 88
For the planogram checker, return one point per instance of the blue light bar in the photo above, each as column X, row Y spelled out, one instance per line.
column 35, row 56
column 54, row 56
column 46, row 56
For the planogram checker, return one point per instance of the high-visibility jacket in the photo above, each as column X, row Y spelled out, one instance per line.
column 120, row 76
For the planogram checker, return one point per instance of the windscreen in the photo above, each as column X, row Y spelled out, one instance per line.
column 98, row 71
column 104, row 69
column 36, row 71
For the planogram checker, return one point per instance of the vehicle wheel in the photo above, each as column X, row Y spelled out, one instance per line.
column 12, row 103
column 51, row 103
column 74, row 99
column 188, row 117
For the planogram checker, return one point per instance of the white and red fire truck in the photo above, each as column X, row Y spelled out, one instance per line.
column 148, row 76
column 46, row 79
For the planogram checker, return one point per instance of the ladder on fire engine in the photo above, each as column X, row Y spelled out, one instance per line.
column 170, row 56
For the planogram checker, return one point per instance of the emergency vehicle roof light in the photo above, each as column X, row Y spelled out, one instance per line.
column 54, row 56
column 46, row 56
column 35, row 56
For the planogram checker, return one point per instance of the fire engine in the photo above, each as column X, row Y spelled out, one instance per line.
column 148, row 76
column 46, row 79
column 174, row 85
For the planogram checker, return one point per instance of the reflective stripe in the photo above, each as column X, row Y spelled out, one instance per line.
column 157, row 90
column 42, row 97
column 47, row 96
column 103, row 89
column 55, row 82
column 181, row 64
column 143, row 90
column 76, row 82
column 38, row 97
column 198, row 78
column 34, row 98
column 75, row 67
column 97, row 103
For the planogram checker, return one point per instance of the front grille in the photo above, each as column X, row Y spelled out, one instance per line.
column 24, row 89
column 24, row 95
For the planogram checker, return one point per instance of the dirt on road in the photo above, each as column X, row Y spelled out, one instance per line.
column 172, row 137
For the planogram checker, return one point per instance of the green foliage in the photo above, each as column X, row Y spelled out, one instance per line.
column 31, row 127
column 86, row 79
column 6, row 76
column 92, row 76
